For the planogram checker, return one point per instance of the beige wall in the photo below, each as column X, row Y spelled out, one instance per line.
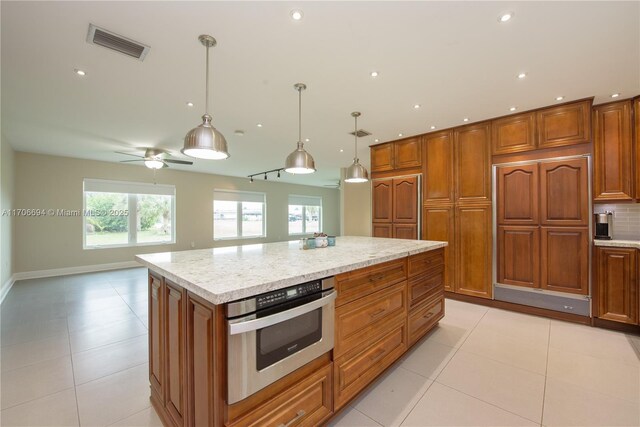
column 49, row 182
column 356, row 208
column 7, row 160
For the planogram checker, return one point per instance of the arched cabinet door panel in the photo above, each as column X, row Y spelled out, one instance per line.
column 564, row 193
column 517, row 192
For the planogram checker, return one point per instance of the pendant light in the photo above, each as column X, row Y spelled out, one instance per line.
column 204, row 141
column 300, row 162
column 356, row 172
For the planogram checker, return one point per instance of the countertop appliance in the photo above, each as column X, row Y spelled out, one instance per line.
column 273, row 334
column 604, row 225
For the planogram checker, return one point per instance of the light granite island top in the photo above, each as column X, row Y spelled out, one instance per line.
column 220, row 275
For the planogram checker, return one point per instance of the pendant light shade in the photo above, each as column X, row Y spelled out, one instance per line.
column 356, row 172
column 300, row 162
column 205, row 141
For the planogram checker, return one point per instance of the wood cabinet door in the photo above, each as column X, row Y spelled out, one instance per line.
column 564, row 194
column 472, row 154
column 382, row 200
column 564, row 125
column 438, row 170
column 175, row 329
column 382, row 157
column 405, row 200
column 407, row 153
column 636, row 114
column 518, row 256
column 438, row 225
column 200, row 361
column 513, row 134
column 405, row 231
column 156, row 336
column 564, row 261
column 613, row 152
column 473, row 251
column 617, row 284
column 517, row 192
column 382, row 230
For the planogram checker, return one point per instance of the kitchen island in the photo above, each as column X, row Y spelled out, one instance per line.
column 389, row 294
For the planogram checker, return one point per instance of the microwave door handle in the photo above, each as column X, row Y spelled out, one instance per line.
column 255, row 324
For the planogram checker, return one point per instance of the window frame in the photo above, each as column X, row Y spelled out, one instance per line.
column 132, row 205
column 304, row 214
column 239, row 220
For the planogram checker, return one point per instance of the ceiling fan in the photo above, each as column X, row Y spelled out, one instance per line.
column 155, row 158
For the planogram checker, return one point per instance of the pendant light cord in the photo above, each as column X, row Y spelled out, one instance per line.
column 206, row 101
column 355, row 135
column 299, row 114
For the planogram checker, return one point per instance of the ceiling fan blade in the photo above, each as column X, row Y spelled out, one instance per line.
column 164, row 165
column 127, row 161
column 128, row 154
column 178, row 162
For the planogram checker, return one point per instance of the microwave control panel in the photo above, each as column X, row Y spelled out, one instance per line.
column 287, row 294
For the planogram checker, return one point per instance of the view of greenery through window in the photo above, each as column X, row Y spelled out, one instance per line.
column 110, row 222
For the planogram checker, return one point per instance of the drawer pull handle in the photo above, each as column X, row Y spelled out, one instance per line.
column 429, row 314
column 377, row 313
column 377, row 355
column 299, row 415
column 376, row 278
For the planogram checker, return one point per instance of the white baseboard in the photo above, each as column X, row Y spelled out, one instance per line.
column 6, row 287
column 74, row 270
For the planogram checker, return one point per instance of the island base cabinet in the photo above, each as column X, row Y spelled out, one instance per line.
column 424, row 317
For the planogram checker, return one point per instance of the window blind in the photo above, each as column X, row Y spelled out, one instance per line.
column 238, row 196
column 108, row 186
column 305, row 200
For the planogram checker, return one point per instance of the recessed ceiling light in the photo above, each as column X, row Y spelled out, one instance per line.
column 239, row 132
column 522, row 75
column 400, row 134
column 341, row 150
column 432, row 127
column 376, row 140
column 296, row 15
column 189, row 104
column 512, row 109
column 559, row 98
column 307, row 140
column 416, row 106
column 466, row 119
column 504, row 17
column 615, row 95
column 80, row 72
column 259, row 125
column 374, row 74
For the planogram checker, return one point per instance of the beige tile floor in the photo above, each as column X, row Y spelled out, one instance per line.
column 73, row 351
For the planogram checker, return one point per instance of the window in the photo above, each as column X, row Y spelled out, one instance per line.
column 119, row 213
column 305, row 214
column 238, row 214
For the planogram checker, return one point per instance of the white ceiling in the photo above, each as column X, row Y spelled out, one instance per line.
column 453, row 58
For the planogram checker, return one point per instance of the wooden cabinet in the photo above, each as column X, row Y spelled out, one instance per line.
column 405, row 231
column 564, row 193
column 438, row 169
column 382, row 157
column 519, row 255
column 422, row 319
column 472, row 163
column 616, row 290
column 438, row 224
column 156, row 336
column 358, row 283
column 517, row 192
column 513, row 134
column 564, row 262
column 175, row 362
column 405, row 199
column 473, row 250
column 382, row 230
column 562, row 125
column 613, row 152
column 636, row 142
column 382, row 200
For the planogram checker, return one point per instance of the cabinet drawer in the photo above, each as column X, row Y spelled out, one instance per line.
column 423, row 318
column 357, row 283
column 365, row 320
column 426, row 285
column 306, row 403
column 425, row 261
column 355, row 371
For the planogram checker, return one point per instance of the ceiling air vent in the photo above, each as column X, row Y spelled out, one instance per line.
column 113, row 41
column 361, row 133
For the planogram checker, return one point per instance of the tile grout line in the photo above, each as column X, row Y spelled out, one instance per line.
column 546, row 371
column 112, row 373
column 73, row 373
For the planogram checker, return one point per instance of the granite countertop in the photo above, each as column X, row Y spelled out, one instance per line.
column 220, row 275
column 617, row 243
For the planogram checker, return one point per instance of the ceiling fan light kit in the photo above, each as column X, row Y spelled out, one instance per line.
column 356, row 172
column 155, row 158
column 205, row 141
column 300, row 161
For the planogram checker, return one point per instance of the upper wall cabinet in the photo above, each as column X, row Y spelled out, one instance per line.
column 564, row 125
column 513, row 134
column 636, row 112
column 472, row 154
column 402, row 154
column 438, row 170
column 613, row 152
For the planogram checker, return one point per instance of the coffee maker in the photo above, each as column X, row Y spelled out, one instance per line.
column 604, row 225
